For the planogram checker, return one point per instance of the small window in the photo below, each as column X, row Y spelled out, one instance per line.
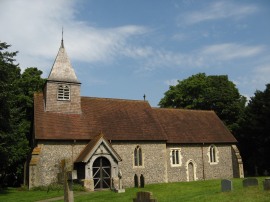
column 138, row 156
column 175, row 155
column 63, row 92
column 213, row 154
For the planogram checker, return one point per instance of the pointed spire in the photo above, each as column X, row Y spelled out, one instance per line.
column 62, row 41
column 62, row 69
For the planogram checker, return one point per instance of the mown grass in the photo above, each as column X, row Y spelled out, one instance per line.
column 209, row 191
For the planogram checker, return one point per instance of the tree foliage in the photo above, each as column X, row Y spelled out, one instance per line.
column 254, row 134
column 203, row 92
column 16, row 101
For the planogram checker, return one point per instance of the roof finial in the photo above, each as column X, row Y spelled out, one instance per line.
column 62, row 41
column 144, row 96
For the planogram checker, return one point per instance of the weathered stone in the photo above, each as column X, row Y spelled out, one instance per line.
column 250, row 182
column 144, row 197
column 266, row 184
column 226, row 185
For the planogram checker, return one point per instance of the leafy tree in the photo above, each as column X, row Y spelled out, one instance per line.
column 203, row 92
column 254, row 133
column 16, row 95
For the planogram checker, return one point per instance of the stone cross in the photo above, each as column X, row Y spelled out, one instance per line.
column 120, row 185
column 67, row 172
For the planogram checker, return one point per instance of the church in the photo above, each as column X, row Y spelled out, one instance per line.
column 106, row 139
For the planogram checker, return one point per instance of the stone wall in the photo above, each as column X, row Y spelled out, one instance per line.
column 199, row 156
column 49, row 159
column 154, row 167
column 66, row 106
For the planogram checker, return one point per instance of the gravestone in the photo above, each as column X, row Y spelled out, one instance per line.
column 250, row 182
column 136, row 181
column 142, row 181
column 266, row 184
column 226, row 185
column 144, row 197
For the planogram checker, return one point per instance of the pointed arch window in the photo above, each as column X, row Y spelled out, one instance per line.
column 63, row 92
column 213, row 154
column 138, row 156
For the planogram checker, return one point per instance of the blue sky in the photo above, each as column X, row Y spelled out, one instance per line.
column 126, row 48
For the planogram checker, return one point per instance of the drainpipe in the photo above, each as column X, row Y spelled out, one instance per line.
column 203, row 161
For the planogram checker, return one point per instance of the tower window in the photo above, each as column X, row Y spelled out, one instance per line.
column 63, row 92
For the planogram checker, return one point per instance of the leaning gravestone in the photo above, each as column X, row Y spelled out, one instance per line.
column 226, row 185
column 250, row 182
column 266, row 184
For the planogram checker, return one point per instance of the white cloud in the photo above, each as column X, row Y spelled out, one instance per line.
column 218, row 10
column 229, row 51
column 33, row 28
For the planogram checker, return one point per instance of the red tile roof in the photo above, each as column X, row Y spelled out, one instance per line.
column 129, row 120
column 193, row 126
column 117, row 119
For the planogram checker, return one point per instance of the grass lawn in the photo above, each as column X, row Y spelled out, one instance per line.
column 209, row 191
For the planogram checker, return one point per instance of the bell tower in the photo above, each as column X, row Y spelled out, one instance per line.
column 62, row 88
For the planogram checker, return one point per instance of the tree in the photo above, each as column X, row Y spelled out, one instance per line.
column 16, row 95
column 254, row 134
column 203, row 92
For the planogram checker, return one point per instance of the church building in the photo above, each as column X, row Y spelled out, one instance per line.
column 106, row 139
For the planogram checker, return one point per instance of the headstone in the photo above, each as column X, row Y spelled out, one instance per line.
column 136, row 181
column 250, row 182
column 144, row 197
column 266, row 184
column 142, row 181
column 226, row 185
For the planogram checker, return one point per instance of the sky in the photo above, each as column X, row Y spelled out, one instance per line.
column 127, row 48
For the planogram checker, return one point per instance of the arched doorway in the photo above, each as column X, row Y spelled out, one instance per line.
column 191, row 171
column 102, row 173
column 191, row 168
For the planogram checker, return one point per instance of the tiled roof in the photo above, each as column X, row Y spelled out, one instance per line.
column 193, row 126
column 129, row 120
column 117, row 119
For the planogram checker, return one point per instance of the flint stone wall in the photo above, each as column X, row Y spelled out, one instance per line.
column 156, row 161
column 154, row 167
column 52, row 152
column 199, row 156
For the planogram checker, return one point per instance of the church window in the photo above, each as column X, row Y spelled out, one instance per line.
column 176, row 157
column 63, row 92
column 138, row 156
column 213, row 154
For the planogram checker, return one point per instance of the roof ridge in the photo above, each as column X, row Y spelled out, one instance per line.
column 180, row 109
column 117, row 99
